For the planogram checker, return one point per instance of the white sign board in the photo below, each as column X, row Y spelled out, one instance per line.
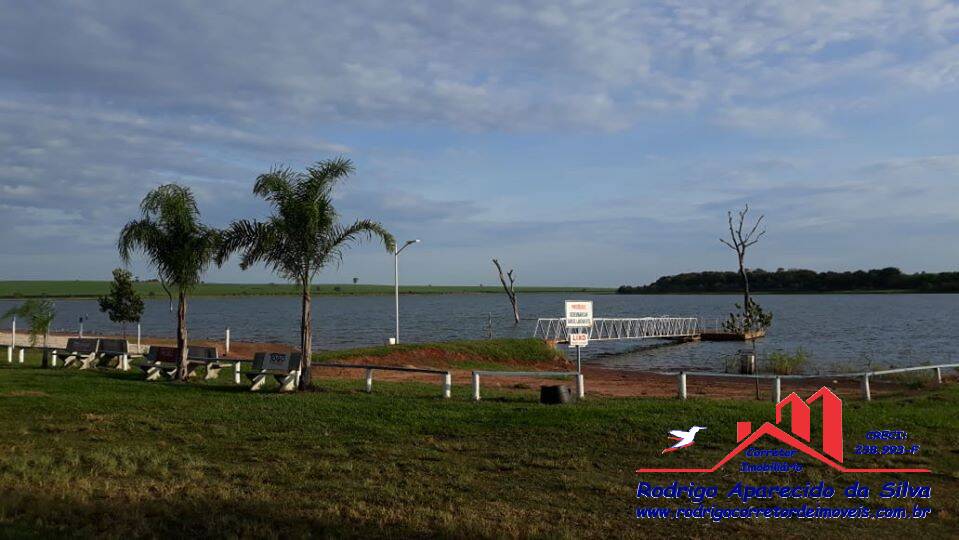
column 579, row 340
column 579, row 313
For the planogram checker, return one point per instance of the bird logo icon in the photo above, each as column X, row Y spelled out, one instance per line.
column 683, row 438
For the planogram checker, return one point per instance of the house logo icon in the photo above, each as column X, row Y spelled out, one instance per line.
column 799, row 437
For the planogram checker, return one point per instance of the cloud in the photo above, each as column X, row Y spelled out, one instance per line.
column 459, row 113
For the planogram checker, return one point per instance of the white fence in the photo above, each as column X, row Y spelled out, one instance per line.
column 777, row 379
column 580, row 388
column 447, row 376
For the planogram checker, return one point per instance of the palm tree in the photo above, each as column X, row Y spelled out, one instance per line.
column 40, row 313
column 302, row 236
column 177, row 245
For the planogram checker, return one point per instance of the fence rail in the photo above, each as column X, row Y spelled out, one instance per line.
column 777, row 379
column 447, row 376
column 580, row 388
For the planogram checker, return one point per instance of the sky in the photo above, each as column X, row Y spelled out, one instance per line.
column 579, row 142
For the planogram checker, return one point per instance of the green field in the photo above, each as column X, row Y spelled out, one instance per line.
column 106, row 453
column 90, row 289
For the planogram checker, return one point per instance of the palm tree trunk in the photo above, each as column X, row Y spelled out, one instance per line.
column 306, row 336
column 181, row 338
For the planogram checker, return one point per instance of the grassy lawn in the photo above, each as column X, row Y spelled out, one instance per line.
column 89, row 289
column 105, row 453
column 503, row 354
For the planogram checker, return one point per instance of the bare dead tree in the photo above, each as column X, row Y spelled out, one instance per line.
column 740, row 242
column 509, row 288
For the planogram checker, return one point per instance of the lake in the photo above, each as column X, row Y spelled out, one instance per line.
column 838, row 331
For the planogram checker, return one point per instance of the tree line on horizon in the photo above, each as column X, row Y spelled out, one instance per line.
column 800, row 280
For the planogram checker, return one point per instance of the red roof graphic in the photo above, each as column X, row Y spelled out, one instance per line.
column 800, row 426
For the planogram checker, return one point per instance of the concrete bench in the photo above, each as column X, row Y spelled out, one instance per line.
column 162, row 362
column 79, row 352
column 447, row 376
column 283, row 367
column 114, row 353
column 580, row 389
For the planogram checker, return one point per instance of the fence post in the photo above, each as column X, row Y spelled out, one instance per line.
column 447, row 385
column 53, row 358
column 21, row 355
column 682, row 385
column 10, row 354
column 939, row 375
column 236, row 372
column 227, row 344
column 476, row 386
column 369, row 380
column 139, row 347
column 777, row 390
column 866, row 394
column 580, row 388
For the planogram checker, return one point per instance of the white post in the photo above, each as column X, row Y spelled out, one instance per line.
column 476, row 387
column 139, row 348
column 777, row 390
column 13, row 335
column 396, row 293
column 866, row 393
column 124, row 362
column 447, row 385
column 580, row 388
column 21, row 355
column 939, row 375
column 369, row 381
column 10, row 354
column 236, row 372
column 682, row 384
column 227, row 346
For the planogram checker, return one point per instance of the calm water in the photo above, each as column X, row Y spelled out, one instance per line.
column 850, row 330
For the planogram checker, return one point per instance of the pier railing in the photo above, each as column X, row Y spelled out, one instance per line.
column 605, row 329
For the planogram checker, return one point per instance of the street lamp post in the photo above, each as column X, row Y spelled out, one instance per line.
column 396, row 285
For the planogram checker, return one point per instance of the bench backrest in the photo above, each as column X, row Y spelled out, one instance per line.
column 275, row 361
column 82, row 345
column 201, row 353
column 115, row 346
column 163, row 354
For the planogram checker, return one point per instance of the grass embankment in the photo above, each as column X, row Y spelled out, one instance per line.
column 90, row 289
column 106, row 453
column 472, row 354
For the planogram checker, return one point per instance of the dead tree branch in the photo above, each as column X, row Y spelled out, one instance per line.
column 509, row 288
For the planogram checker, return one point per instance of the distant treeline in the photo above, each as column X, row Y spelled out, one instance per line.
column 798, row 281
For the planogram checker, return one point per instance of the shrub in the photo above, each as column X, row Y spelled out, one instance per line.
column 784, row 363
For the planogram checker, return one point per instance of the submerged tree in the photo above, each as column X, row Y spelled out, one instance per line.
column 123, row 305
column 40, row 314
column 181, row 249
column 509, row 288
column 302, row 236
column 752, row 316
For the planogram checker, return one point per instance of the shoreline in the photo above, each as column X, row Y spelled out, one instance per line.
column 600, row 381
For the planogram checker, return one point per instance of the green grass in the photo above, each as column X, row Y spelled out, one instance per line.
column 105, row 453
column 89, row 289
column 466, row 354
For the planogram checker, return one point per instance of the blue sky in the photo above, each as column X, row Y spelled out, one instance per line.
column 583, row 143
